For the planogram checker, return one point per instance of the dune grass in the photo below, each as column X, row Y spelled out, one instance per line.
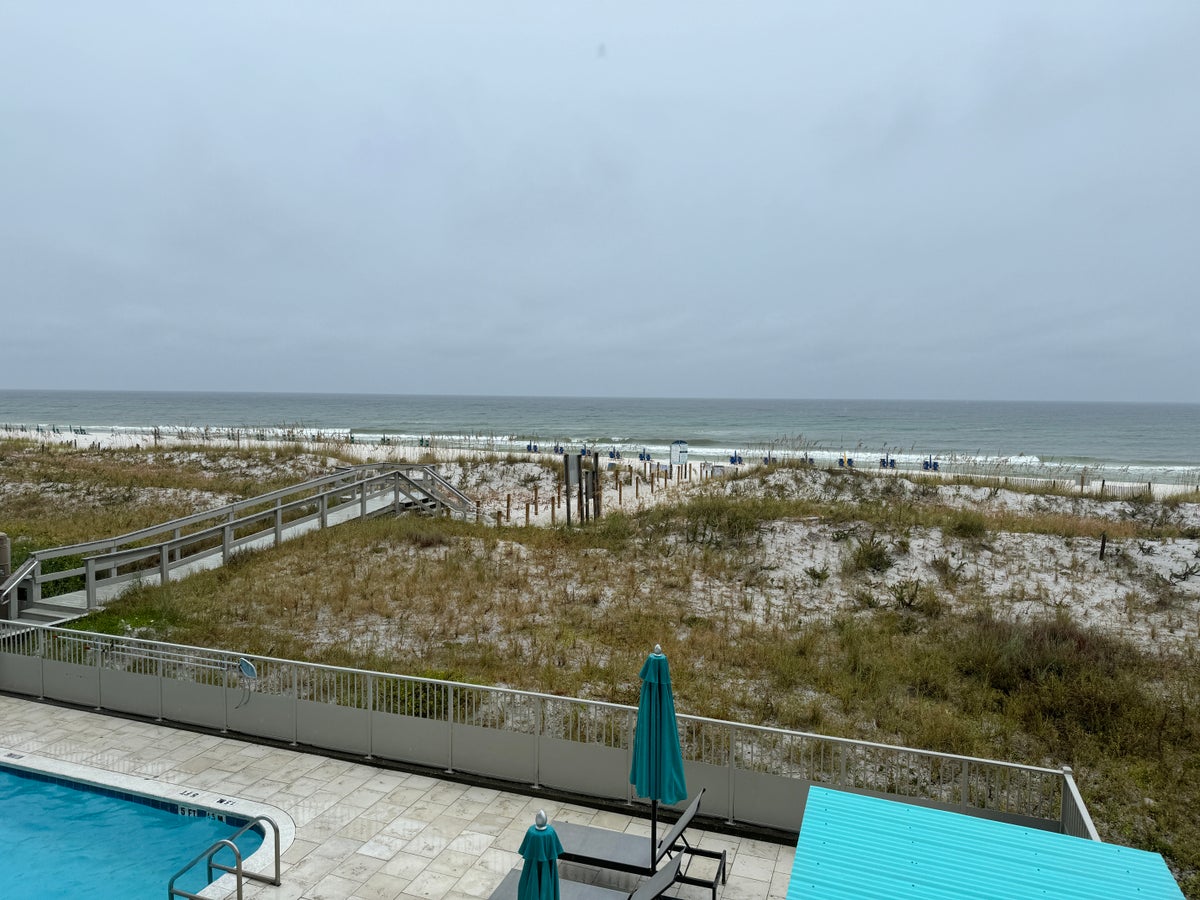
column 930, row 664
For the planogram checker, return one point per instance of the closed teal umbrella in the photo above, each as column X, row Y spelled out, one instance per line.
column 541, row 850
column 657, row 772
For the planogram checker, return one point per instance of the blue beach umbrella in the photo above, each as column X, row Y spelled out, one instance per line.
column 657, row 772
column 541, row 850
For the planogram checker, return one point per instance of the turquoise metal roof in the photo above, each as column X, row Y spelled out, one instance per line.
column 856, row 846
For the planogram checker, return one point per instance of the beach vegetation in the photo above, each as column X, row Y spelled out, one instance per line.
column 969, row 645
column 870, row 554
column 968, row 525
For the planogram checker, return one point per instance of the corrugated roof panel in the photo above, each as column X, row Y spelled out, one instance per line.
column 853, row 846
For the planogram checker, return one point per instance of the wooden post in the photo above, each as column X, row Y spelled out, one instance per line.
column 553, row 514
column 598, row 485
column 498, row 517
column 535, row 500
column 583, row 505
column 637, row 490
column 620, row 498
column 1103, row 542
column 508, row 507
column 567, row 481
column 527, row 513
column 478, row 511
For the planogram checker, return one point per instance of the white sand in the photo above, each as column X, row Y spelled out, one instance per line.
column 1130, row 592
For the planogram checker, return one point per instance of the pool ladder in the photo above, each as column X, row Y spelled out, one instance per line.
column 235, row 869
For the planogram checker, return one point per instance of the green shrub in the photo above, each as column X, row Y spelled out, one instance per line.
column 869, row 555
column 967, row 525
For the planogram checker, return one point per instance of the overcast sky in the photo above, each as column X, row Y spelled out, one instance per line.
column 779, row 198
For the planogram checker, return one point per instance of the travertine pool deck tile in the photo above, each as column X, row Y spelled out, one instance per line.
column 363, row 832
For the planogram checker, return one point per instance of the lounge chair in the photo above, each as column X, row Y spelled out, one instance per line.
column 608, row 849
column 649, row 889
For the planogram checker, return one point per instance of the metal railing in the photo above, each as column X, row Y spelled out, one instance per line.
column 1075, row 818
column 236, row 869
column 753, row 774
column 265, row 520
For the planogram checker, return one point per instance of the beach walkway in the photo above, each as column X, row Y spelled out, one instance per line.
column 74, row 604
column 206, row 541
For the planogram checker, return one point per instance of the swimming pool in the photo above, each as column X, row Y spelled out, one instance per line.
column 63, row 837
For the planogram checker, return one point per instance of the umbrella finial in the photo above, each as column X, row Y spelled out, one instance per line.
column 658, row 650
column 539, row 821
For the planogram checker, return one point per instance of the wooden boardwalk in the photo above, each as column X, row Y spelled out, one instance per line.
column 205, row 541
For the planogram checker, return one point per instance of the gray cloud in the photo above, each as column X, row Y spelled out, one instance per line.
column 885, row 200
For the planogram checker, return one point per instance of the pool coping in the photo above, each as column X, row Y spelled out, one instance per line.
column 261, row 861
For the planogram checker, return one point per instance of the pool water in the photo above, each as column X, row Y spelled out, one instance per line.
column 66, row 840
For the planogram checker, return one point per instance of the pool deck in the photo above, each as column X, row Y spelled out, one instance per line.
column 363, row 832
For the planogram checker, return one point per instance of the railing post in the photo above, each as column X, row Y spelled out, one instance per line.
column 295, row 705
column 226, row 542
column 164, row 564
column 450, row 733
column 1071, row 790
column 362, row 514
column 89, row 581
column 35, row 583
column 396, row 493
column 160, row 688
column 42, row 663
column 98, row 649
column 370, row 716
column 630, row 728
column 225, row 697
column 965, row 799
column 537, row 744
column 178, row 547
column 731, row 733
column 324, row 506
column 278, row 522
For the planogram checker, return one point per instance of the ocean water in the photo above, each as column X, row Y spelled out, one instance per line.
column 1125, row 441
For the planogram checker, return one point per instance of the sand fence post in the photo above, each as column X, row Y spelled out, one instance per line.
column 508, row 507
column 527, row 505
column 499, row 516
column 535, row 500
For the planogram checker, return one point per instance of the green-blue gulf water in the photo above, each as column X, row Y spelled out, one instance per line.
column 1142, row 440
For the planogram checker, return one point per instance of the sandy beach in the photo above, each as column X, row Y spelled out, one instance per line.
column 1021, row 572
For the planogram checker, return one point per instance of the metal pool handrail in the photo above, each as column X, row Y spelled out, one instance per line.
column 235, row 870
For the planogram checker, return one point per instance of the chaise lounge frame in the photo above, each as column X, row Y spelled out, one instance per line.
column 608, row 849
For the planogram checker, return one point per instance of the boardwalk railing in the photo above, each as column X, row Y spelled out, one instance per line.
column 753, row 775
column 209, row 538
